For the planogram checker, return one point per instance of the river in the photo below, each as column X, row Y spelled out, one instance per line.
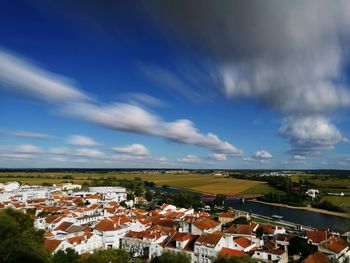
column 303, row 217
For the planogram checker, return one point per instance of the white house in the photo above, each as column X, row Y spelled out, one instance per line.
column 276, row 255
column 182, row 242
column 207, row 247
column 110, row 233
column 145, row 244
column 243, row 244
column 336, row 248
column 312, row 193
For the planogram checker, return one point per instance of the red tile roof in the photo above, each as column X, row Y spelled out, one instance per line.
column 229, row 214
column 209, row 239
column 240, row 229
column 106, row 225
column 316, row 236
column 52, row 244
column 63, row 226
column 335, row 244
column 231, row 252
column 181, row 237
column 243, row 242
column 317, row 257
column 207, row 224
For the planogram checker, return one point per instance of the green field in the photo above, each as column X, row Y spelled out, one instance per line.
column 196, row 182
column 341, row 201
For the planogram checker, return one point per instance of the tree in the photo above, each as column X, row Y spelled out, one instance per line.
column 259, row 232
column 228, row 259
column 299, row 246
column 241, row 220
column 20, row 241
column 108, row 256
column 172, row 257
column 148, row 195
column 67, row 256
column 219, row 200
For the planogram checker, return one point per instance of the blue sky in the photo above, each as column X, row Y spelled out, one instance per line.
column 187, row 84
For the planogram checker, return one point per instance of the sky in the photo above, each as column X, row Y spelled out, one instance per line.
column 175, row 84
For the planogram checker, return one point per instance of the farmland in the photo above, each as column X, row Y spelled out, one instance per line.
column 205, row 183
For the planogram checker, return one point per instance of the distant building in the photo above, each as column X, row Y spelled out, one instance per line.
column 112, row 193
column 312, row 193
column 9, row 186
column 70, row 186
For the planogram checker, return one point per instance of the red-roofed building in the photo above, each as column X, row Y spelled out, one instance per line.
column 276, row 255
column 110, row 232
column 336, row 248
column 317, row 257
column 53, row 245
column 243, row 244
column 182, row 242
column 146, row 244
column 208, row 246
column 231, row 252
column 315, row 237
column 226, row 217
column 205, row 226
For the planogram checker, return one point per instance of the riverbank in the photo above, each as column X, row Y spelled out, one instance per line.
column 311, row 209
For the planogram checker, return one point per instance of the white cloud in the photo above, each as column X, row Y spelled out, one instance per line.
column 310, row 134
column 133, row 118
column 218, row 156
column 81, row 140
column 133, row 149
column 262, row 154
column 189, row 159
column 298, row 158
column 27, row 148
column 92, row 153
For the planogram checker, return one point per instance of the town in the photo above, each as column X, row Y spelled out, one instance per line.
column 103, row 218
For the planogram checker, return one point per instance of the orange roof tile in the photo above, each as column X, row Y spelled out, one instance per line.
column 229, row 214
column 231, row 252
column 316, row 236
column 209, row 239
column 207, row 224
column 240, row 229
column 63, row 226
column 243, row 242
column 335, row 244
column 52, row 244
column 317, row 257
column 106, row 225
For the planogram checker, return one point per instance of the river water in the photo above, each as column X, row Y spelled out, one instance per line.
column 302, row 217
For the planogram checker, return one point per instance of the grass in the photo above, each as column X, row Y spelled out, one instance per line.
column 341, row 201
column 192, row 181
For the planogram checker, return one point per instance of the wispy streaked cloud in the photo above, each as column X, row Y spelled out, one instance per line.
column 21, row 76
column 35, row 82
column 27, row 134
